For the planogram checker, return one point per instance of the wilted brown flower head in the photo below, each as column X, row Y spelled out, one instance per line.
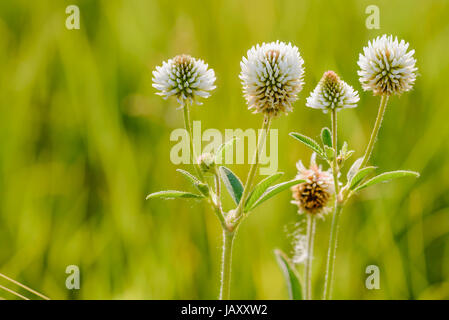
column 313, row 196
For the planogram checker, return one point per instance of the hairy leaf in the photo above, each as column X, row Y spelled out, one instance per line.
column 291, row 276
column 221, row 151
column 312, row 144
column 200, row 186
column 387, row 176
column 326, row 137
column 173, row 194
column 260, row 188
column 330, row 153
column 359, row 176
column 274, row 190
column 232, row 183
column 354, row 168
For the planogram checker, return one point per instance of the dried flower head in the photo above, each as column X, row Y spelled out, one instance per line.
column 332, row 93
column 314, row 195
column 272, row 76
column 184, row 77
column 206, row 161
column 386, row 67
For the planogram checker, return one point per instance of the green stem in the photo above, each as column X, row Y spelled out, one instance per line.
column 225, row 290
column 217, row 206
column 372, row 140
column 188, row 127
column 331, row 255
column 334, row 145
column 254, row 166
column 336, row 216
column 308, row 267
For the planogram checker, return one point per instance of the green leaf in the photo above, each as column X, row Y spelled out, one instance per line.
column 344, row 148
column 359, row 176
column 173, row 194
column 221, row 151
column 291, row 276
column 190, row 177
column 387, row 176
column 330, row 153
column 260, row 188
column 232, row 183
column 312, row 144
column 200, row 186
column 274, row 190
column 354, row 168
column 326, row 137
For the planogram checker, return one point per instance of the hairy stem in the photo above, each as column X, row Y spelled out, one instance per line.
column 336, row 216
column 334, row 145
column 331, row 255
column 308, row 267
column 226, row 263
column 252, row 171
column 372, row 140
column 217, row 205
column 230, row 230
column 188, row 127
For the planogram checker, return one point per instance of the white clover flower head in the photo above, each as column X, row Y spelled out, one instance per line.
column 272, row 76
column 332, row 93
column 314, row 195
column 386, row 68
column 184, row 77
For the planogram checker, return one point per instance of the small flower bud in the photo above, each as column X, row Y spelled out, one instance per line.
column 206, row 161
column 332, row 93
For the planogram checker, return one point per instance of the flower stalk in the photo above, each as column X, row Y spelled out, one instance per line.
column 375, row 132
column 226, row 264
column 331, row 255
column 188, row 127
column 336, row 216
column 253, row 169
column 311, row 222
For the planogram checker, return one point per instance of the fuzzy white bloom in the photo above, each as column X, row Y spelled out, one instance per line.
column 386, row 67
column 332, row 93
column 272, row 76
column 184, row 77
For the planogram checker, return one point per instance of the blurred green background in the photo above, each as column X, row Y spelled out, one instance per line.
column 83, row 140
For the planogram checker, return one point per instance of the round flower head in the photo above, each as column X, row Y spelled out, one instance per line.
column 386, row 67
column 332, row 93
column 314, row 195
column 184, row 77
column 272, row 76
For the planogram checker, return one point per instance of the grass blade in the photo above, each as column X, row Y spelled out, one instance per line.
column 291, row 277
